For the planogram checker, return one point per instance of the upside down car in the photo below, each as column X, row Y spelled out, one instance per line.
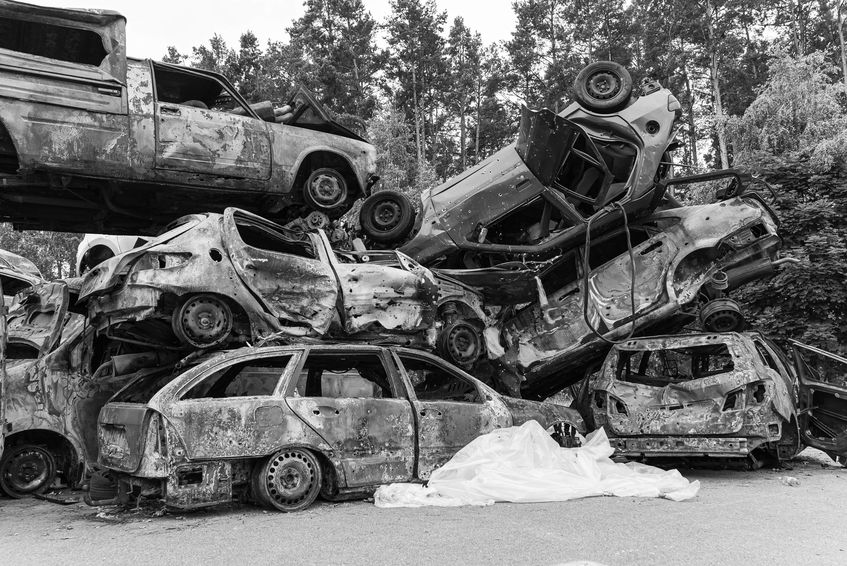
column 536, row 196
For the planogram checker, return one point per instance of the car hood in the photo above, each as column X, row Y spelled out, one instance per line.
column 547, row 414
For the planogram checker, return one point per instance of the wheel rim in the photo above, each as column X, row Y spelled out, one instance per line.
column 463, row 344
column 327, row 190
column 386, row 215
column 27, row 471
column 203, row 321
column 603, row 85
column 291, row 478
column 723, row 321
column 317, row 220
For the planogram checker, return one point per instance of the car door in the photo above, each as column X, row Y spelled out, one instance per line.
column 452, row 409
column 353, row 399
column 283, row 269
column 234, row 409
column 203, row 126
column 822, row 407
column 38, row 318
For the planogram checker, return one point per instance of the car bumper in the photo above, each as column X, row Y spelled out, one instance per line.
column 676, row 446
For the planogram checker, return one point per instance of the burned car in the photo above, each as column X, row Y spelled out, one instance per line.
column 720, row 396
column 285, row 424
column 236, row 278
column 680, row 266
column 55, row 387
column 91, row 140
column 17, row 273
column 537, row 195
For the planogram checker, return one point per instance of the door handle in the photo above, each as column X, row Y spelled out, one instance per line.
column 172, row 110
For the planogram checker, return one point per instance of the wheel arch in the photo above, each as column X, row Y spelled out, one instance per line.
column 9, row 160
column 326, row 157
column 70, row 458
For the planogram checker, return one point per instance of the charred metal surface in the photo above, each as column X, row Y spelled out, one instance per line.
column 87, row 130
column 196, row 452
column 686, row 246
column 732, row 405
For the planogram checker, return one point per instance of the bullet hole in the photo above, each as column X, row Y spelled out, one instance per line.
column 215, row 255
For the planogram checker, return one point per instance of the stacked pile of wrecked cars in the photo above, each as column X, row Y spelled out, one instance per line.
column 253, row 349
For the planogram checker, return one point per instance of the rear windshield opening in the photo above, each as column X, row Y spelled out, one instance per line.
column 674, row 365
column 49, row 40
column 274, row 238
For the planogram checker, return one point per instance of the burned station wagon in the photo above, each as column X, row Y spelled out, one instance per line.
column 684, row 262
column 536, row 196
column 235, row 278
column 91, row 140
column 720, row 396
column 285, row 424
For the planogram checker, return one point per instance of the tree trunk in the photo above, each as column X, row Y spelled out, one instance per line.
column 463, row 131
column 478, row 103
column 418, row 135
column 841, row 7
column 720, row 118
column 692, row 127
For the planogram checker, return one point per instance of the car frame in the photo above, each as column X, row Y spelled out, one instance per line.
column 312, row 427
column 743, row 400
column 91, row 140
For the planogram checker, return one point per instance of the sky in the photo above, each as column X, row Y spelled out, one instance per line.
column 153, row 25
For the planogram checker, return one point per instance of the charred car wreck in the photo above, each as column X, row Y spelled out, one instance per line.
column 283, row 425
column 720, row 396
column 91, row 140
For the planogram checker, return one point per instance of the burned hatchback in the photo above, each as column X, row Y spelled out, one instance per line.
column 285, row 424
column 720, row 396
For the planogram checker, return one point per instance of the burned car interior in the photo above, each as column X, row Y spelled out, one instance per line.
column 74, row 45
column 662, row 367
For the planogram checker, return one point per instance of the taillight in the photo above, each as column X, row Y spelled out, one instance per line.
column 600, row 399
column 733, row 400
column 756, row 393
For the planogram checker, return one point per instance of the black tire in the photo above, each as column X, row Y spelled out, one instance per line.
column 326, row 191
column 288, row 481
column 722, row 315
column 460, row 343
column 387, row 216
column 603, row 87
column 26, row 470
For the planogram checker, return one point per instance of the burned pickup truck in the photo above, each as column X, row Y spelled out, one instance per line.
column 720, row 397
column 286, row 424
column 93, row 141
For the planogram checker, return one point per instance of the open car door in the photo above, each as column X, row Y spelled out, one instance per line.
column 822, row 406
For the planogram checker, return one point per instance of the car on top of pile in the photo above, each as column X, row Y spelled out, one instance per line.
column 92, row 140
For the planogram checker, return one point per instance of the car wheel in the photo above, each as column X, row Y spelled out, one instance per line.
column 326, row 191
column 202, row 321
column 26, row 470
column 603, row 87
column 290, row 480
column 460, row 343
column 721, row 315
column 387, row 216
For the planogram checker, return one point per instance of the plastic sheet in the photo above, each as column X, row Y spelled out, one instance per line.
column 524, row 465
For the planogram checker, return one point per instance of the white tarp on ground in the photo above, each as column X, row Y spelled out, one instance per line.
column 525, row 465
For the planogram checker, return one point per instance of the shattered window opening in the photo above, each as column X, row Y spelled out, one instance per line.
column 253, row 378
column 432, row 383
column 343, row 376
column 274, row 239
column 175, row 86
column 54, row 42
column 144, row 388
column 609, row 248
column 674, row 365
column 824, row 369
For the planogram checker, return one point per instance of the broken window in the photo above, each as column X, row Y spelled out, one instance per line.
column 253, row 378
column 434, row 383
column 343, row 376
column 50, row 40
column 531, row 223
column 273, row 238
column 823, row 368
column 178, row 86
column 144, row 388
column 673, row 365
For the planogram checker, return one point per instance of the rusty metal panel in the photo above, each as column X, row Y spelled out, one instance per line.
column 199, row 484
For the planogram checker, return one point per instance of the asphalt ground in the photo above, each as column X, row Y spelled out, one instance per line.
column 739, row 517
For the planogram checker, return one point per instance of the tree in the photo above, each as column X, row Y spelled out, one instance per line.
column 463, row 51
column 54, row 253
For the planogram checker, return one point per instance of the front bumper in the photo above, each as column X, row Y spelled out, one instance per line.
column 684, row 446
